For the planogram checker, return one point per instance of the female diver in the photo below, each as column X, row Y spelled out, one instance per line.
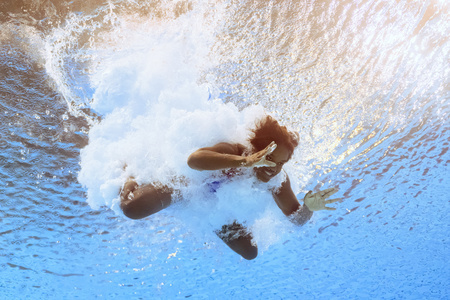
column 272, row 146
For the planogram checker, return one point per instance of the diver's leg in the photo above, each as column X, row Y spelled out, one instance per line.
column 138, row 202
column 239, row 240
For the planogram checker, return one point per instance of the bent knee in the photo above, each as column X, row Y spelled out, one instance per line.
column 250, row 253
column 131, row 212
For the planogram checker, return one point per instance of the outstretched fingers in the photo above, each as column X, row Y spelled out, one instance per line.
column 268, row 163
column 269, row 149
column 328, row 192
column 333, row 200
column 261, row 156
column 329, row 208
column 272, row 146
column 263, row 162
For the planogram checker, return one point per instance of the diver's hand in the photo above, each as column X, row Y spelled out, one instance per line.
column 258, row 159
column 317, row 201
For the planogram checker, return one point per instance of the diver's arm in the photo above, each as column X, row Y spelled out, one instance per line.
column 225, row 156
column 289, row 205
column 217, row 157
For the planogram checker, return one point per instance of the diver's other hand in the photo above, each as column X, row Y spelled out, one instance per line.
column 317, row 201
column 258, row 159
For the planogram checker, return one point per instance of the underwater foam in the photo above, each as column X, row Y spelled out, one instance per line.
column 155, row 113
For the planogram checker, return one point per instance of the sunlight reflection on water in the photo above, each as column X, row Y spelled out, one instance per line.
column 364, row 83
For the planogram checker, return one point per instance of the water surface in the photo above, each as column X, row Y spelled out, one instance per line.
column 365, row 83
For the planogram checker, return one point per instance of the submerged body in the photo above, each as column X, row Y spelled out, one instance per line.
column 272, row 147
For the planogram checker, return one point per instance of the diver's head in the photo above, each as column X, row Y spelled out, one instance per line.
column 267, row 130
column 279, row 156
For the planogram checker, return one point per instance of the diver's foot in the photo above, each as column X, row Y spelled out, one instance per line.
column 128, row 187
column 239, row 239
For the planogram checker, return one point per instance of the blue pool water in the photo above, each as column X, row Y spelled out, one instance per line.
column 88, row 86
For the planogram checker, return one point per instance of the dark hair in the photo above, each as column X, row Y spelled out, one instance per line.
column 267, row 130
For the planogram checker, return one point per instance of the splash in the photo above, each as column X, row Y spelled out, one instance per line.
column 155, row 112
column 365, row 83
column 188, row 74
